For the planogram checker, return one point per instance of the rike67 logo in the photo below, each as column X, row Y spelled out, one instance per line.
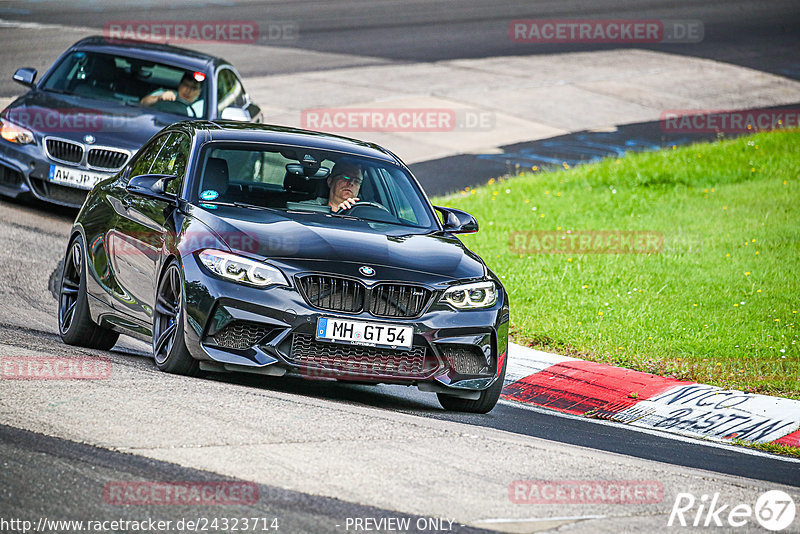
column 774, row 510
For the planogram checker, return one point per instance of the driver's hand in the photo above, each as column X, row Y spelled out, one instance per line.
column 168, row 96
column 347, row 204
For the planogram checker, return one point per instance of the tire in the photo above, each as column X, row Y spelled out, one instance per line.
column 169, row 344
column 483, row 404
column 75, row 325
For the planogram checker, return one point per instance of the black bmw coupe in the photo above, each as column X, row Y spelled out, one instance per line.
column 224, row 245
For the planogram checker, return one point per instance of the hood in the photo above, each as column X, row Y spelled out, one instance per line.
column 312, row 241
column 72, row 117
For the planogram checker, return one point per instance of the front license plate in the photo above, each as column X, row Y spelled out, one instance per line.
column 75, row 177
column 368, row 334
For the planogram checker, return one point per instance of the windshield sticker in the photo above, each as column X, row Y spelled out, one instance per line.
column 209, row 194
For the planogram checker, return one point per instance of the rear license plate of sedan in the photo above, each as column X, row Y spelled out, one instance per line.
column 75, row 177
column 368, row 334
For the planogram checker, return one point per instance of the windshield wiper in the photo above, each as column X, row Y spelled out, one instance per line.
column 351, row 217
column 235, row 205
column 379, row 221
column 59, row 91
column 250, row 206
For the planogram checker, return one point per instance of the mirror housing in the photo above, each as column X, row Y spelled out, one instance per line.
column 457, row 221
column 25, row 76
column 235, row 114
column 301, row 170
column 153, row 186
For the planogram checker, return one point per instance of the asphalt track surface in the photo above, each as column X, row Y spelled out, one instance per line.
column 70, row 477
column 32, row 461
column 762, row 36
column 759, row 35
column 753, row 34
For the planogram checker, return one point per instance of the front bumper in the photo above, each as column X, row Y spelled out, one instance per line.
column 232, row 327
column 25, row 170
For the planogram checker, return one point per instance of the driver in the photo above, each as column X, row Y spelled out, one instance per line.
column 344, row 183
column 187, row 93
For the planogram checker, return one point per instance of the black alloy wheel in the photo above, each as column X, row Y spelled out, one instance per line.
column 75, row 324
column 169, row 348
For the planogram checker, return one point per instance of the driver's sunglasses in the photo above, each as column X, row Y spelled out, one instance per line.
column 356, row 179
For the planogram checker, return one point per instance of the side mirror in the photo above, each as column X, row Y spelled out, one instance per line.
column 457, row 221
column 235, row 114
column 152, row 186
column 25, row 76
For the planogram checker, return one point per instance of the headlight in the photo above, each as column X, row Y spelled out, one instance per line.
column 243, row 270
column 15, row 134
column 471, row 296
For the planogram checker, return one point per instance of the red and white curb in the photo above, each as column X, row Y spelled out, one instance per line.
column 600, row 391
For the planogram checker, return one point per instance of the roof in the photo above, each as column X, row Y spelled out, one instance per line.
column 162, row 53
column 219, row 130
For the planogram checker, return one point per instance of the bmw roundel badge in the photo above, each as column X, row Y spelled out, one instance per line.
column 366, row 271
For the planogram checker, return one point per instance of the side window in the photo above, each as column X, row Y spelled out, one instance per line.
column 172, row 159
column 229, row 91
column 399, row 198
column 146, row 156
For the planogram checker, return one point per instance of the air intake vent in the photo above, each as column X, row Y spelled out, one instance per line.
column 333, row 293
column 465, row 359
column 64, row 151
column 103, row 158
column 396, row 300
column 239, row 335
column 357, row 361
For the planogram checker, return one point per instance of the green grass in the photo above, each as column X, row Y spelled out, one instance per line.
column 718, row 304
column 774, row 448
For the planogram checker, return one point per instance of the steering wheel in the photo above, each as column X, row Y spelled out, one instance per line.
column 178, row 106
column 367, row 205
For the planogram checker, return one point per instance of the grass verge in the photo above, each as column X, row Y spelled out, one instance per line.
column 773, row 448
column 712, row 296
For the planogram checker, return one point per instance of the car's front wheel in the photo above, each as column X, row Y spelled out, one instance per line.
column 169, row 346
column 75, row 324
column 482, row 404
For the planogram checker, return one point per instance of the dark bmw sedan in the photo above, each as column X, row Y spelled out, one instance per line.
column 226, row 245
column 98, row 104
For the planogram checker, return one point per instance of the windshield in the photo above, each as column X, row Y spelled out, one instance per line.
column 130, row 81
column 295, row 180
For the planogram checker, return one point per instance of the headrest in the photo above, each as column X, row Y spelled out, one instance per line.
column 215, row 176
